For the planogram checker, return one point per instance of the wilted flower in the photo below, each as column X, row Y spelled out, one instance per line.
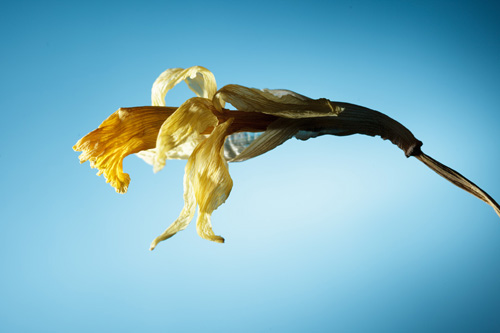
column 202, row 131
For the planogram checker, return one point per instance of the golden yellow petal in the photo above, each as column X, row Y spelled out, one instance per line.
column 282, row 103
column 184, row 128
column 125, row 132
column 199, row 79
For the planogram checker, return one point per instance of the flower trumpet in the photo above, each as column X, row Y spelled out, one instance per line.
column 209, row 136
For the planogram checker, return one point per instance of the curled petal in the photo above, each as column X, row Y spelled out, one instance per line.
column 199, row 79
column 125, row 132
column 204, row 228
column 185, row 216
column 283, row 103
column 212, row 183
column 207, row 183
column 184, row 129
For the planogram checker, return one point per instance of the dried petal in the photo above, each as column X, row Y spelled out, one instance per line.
column 199, row 79
column 184, row 127
column 277, row 133
column 236, row 143
column 185, row 216
column 207, row 183
column 210, row 176
column 181, row 152
column 208, row 171
column 126, row 131
column 283, row 103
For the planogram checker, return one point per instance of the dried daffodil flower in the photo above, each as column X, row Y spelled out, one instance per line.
column 202, row 131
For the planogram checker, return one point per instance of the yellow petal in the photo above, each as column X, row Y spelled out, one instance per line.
column 180, row 152
column 184, row 128
column 210, row 177
column 185, row 216
column 207, row 183
column 199, row 79
column 125, row 132
column 283, row 103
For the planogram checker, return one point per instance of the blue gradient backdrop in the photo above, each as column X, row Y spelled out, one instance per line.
column 333, row 234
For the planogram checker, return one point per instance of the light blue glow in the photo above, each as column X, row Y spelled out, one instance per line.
column 334, row 234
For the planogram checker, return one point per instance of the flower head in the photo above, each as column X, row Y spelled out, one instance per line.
column 202, row 131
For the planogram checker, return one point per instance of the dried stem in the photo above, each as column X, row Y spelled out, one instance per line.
column 353, row 119
column 360, row 120
column 458, row 180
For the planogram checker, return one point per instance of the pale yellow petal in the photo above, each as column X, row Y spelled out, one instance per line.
column 184, row 127
column 125, row 132
column 283, row 103
column 210, row 177
column 185, row 216
column 204, row 228
column 207, row 183
column 180, row 152
column 147, row 156
column 199, row 79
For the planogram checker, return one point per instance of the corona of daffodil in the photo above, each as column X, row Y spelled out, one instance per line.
column 209, row 136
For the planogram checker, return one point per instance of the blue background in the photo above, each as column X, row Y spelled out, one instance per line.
column 333, row 234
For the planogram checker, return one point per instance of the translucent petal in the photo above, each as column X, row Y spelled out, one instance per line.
column 236, row 143
column 184, row 127
column 180, row 152
column 199, row 79
column 277, row 133
column 283, row 103
column 125, row 132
